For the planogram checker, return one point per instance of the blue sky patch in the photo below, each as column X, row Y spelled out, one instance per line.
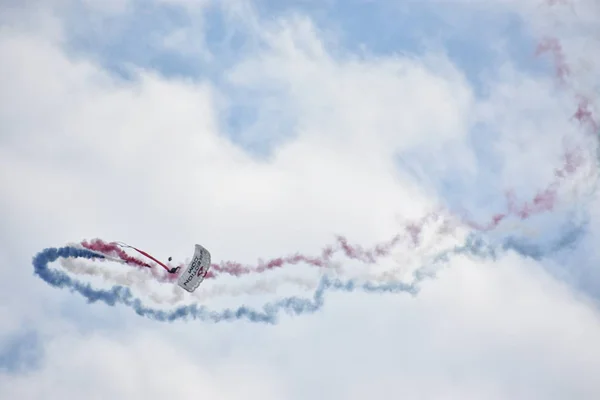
column 20, row 352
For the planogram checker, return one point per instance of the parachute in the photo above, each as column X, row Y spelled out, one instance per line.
column 191, row 277
column 196, row 271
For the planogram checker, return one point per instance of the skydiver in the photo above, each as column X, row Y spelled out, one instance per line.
column 174, row 269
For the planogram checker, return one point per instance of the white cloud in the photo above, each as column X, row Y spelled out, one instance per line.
column 109, row 7
column 144, row 366
column 147, row 161
column 481, row 331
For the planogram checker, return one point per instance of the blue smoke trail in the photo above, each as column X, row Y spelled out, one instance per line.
column 474, row 245
column 121, row 294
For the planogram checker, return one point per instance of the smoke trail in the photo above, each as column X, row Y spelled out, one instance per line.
column 127, row 277
column 259, row 287
column 269, row 313
column 140, row 280
column 427, row 242
column 581, row 83
column 475, row 245
column 412, row 234
column 426, row 256
column 583, row 114
column 423, row 254
column 113, row 248
column 544, row 200
column 411, row 231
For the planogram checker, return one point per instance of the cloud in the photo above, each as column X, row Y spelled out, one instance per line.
column 110, row 7
column 467, row 335
column 333, row 142
column 100, row 366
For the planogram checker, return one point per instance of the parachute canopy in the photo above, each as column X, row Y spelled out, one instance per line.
column 190, row 278
column 196, row 271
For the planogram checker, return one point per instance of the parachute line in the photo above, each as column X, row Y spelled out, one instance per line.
column 150, row 257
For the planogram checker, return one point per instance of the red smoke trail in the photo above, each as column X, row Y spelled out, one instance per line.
column 553, row 46
column 114, row 249
column 545, row 199
column 353, row 252
column 584, row 115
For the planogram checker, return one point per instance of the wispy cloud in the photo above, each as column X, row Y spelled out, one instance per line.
column 263, row 130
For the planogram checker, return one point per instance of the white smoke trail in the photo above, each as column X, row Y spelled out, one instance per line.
column 415, row 254
column 142, row 280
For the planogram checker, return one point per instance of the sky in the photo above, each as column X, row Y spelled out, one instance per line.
column 465, row 132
